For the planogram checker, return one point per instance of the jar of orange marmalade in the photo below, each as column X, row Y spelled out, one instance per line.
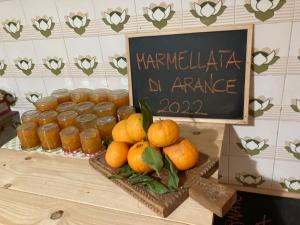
column 125, row 111
column 84, row 107
column 49, row 137
column 46, row 104
column 28, row 136
column 67, row 118
column 66, row 106
column 98, row 95
column 47, row 117
column 105, row 109
column 30, row 116
column 62, row 95
column 86, row 121
column 80, row 95
column 70, row 139
column 119, row 97
column 105, row 125
column 90, row 141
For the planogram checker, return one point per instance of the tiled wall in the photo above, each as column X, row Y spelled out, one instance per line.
column 50, row 44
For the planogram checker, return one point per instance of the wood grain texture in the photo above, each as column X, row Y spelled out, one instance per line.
column 24, row 208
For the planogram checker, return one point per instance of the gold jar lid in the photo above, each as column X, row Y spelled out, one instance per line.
column 60, row 92
column 118, row 93
column 30, row 115
column 67, row 115
column 46, row 101
column 85, row 118
column 105, row 120
column 26, row 126
column 48, row 114
column 84, row 107
column 89, row 133
column 48, row 127
column 65, row 106
column 104, row 106
column 69, row 131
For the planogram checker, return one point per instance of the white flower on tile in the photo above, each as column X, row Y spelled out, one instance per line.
column 252, row 146
column 54, row 64
column 295, row 105
column 25, row 65
column 292, row 184
column 115, row 17
column 78, row 21
column 33, row 96
column 158, row 15
column 294, row 148
column 264, row 5
column 42, row 23
column 263, row 57
column 119, row 63
column 86, row 63
column 258, row 106
column 207, row 8
column 13, row 27
column 3, row 67
column 249, row 179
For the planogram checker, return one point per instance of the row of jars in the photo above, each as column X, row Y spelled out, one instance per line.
column 73, row 125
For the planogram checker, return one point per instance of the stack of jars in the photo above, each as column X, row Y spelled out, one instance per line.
column 76, row 120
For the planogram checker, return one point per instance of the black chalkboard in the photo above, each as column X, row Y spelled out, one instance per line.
column 193, row 74
column 258, row 209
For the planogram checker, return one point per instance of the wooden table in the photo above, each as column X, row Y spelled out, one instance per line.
column 41, row 189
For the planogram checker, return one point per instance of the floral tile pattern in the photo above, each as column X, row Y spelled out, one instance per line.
column 49, row 44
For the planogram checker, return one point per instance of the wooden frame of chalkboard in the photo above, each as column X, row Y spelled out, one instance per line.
column 238, row 36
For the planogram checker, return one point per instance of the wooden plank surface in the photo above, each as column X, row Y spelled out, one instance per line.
column 75, row 181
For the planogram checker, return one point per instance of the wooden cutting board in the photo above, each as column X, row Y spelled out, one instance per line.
column 163, row 205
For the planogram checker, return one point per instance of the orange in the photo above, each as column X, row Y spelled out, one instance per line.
column 116, row 154
column 183, row 155
column 119, row 133
column 134, row 157
column 134, row 127
column 163, row 133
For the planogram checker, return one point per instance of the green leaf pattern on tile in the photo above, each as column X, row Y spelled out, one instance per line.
column 249, row 180
column 43, row 24
column 257, row 106
column 3, row 67
column 207, row 10
column 119, row 63
column 294, row 149
column 116, row 19
column 296, row 105
column 252, row 146
column 86, row 63
column 262, row 59
column 78, row 22
column 159, row 15
column 263, row 9
column 13, row 27
column 54, row 64
column 26, row 65
column 291, row 184
column 33, row 96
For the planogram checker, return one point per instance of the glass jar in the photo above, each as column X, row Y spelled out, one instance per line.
column 105, row 125
column 90, row 141
column 98, row 95
column 86, row 121
column 80, row 95
column 49, row 137
column 125, row 111
column 67, row 118
column 119, row 97
column 70, row 139
column 84, row 107
column 30, row 116
column 46, row 104
column 47, row 117
column 62, row 95
column 28, row 136
column 66, row 106
column 105, row 109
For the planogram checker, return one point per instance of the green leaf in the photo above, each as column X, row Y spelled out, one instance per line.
column 151, row 184
column 173, row 179
column 147, row 114
column 124, row 172
column 153, row 159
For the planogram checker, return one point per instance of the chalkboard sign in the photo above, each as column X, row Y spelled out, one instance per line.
column 258, row 209
column 199, row 74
